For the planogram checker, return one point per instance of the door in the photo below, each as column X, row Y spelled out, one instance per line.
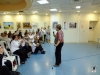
column 83, row 31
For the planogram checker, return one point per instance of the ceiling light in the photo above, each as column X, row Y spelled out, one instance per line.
column 17, row 13
column 46, row 14
column 95, row 11
column 34, row 12
column 53, row 9
column 78, row 7
column 4, row 13
column 78, row 11
column 43, row 2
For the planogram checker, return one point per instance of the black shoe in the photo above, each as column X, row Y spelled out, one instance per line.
column 43, row 52
column 22, row 62
column 55, row 65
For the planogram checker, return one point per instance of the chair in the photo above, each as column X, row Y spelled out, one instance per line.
column 12, row 58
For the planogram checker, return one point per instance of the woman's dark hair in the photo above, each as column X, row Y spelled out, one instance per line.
column 13, row 37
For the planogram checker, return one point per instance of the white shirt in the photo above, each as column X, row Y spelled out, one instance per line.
column 23, row 44
column 31, row 30
column 14, row 46
column 44, row 31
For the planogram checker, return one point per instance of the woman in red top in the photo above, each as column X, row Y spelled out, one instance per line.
column 59, row 41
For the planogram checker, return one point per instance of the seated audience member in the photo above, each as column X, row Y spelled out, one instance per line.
column 25, row 32
column 24, row 46
column 20, row 34
column 9, row 33
column 15, row 48
column 5, row 67
column 37, row 46
column 5, row 32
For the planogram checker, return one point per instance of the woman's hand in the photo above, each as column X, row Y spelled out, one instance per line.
column 55, row 45
column 1, row 50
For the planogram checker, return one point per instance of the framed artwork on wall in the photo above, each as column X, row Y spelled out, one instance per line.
column 65, row 25
column 18, row 24
column 72, row 25
column 8, row 25
column 26, row 24
column 34, row 25
column 54, row 24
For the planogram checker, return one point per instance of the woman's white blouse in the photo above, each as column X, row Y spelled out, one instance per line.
column 14, row 46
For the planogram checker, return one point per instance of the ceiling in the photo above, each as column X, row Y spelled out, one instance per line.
column 14, row 5
column 87, row 6
column 4, row 2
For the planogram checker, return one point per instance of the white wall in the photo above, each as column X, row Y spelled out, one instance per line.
column 97, row 30
column 24, row 18
column 73, row 35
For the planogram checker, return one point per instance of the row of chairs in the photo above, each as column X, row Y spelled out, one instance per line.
column 15, row 60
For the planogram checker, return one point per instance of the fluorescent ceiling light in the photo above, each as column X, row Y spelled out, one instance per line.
column 43, row 2
column 53, row 9
column 34, row 12
column 78, row 7
column 46, row 14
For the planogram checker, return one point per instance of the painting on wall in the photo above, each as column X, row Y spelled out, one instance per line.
column 45, row 24
column 26, row 24
column 64, row 25
column 18, row 24
column 34, row 25
column 8, row 25
column 72, row 25
column 54, row 25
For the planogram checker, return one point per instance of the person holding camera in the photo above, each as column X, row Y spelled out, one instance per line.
column 59, row 41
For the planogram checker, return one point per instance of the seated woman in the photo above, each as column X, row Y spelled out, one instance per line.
column 4, row 69
column 15, row 48
column 25, row 46
column 37, row 45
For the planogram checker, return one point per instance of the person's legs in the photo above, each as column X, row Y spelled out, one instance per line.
column 21, row 55
column 9, row 64
column 5, row 70
column 61, row 44
column 58, row 54
column 39, row 48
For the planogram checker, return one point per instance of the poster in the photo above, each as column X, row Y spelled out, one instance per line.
column 18, row 24
column 64, row 25
column 26, row 24
column 35, row 25
column 54, row 25
column 8, row 25
column 72, row 25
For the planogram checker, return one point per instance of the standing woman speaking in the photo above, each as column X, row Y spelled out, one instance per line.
column 59, row 41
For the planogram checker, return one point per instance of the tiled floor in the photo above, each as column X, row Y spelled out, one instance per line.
column 77, row 59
